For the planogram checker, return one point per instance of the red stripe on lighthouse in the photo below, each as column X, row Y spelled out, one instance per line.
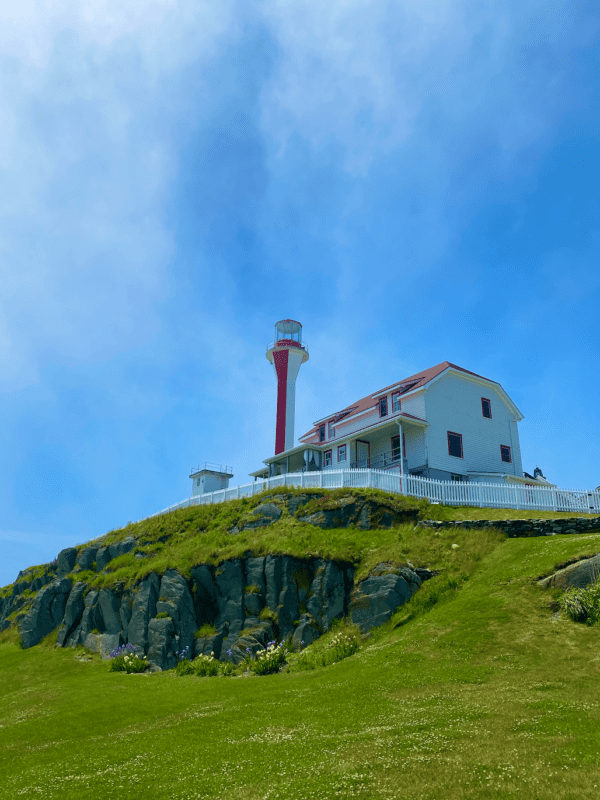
column 280, row 360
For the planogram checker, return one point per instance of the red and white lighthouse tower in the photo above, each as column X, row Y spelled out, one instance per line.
column 287, row 354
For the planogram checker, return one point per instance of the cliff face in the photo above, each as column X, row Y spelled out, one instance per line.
column 247, row 601
column 238, row 605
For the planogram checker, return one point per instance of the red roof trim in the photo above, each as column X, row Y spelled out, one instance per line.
column 418, row 380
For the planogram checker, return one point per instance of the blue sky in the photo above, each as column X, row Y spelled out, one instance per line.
column 414, row 182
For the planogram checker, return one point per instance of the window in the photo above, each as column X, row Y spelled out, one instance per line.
column 455, row 447
column 396, row 447
column 327, row 458
column 396, row 405
column 456, row 478
column 321, row 433
column 486, row 407
column 342, row 452
column 505, row 453
column 383, row 407
column 330, row 430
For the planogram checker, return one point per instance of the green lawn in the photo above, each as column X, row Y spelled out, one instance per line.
column 486, row 693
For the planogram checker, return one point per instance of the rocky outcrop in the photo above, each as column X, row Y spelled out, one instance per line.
column 106, row 554
column 73, row 612
column 376, row 598
column 46, row 612
column 87, row 558
column 247, row 602
column 362, row 512
column 66, row 560
column 143, row 610
column 577, row 575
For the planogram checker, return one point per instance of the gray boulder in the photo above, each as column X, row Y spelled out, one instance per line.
column 42, row 580
column 253, row 604
column 87, row 557
column 162, row 643
column 179, row 605
column 66, row 560
column 255, row 573
column 110, row 606
column 46, row 612
column 578, row 575
column 306, row 632
column 364, row 513
column 329, row 590
column 209, row 645
column 230, row 593
column 91, row 620
column 106, row 554
column 102, row 643
column 73, row 612
column 377, row 598
column 144, row 609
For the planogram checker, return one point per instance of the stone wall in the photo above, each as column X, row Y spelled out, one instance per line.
column 514, row 528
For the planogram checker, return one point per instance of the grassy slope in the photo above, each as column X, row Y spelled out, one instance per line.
column 488, row 693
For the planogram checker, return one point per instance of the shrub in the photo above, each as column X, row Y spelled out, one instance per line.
column 184, row 668
column 270, row 660
column 344, row 644
column 204, row 665
column 582, row 605
column 226, row 668
column 343, row 641
column 252, row 589
column 163, row 615
column 124, row 659
column 205, row 630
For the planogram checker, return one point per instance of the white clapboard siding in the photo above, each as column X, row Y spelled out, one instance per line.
column 364, row 420
column 453, row 404
column 414, row 405
column 416, row 450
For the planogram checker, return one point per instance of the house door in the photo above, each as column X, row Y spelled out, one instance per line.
column 362, row 454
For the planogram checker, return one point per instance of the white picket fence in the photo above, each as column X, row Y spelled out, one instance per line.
column 453, row 493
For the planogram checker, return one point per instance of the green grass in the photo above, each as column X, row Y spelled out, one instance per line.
column 477, row 688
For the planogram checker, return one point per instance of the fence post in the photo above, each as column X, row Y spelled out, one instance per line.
column 321, row 479
column 302, row 480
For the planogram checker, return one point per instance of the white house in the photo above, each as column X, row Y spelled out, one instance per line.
column 444, row 423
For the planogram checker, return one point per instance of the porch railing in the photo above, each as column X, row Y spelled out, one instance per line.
column 485, row 495
column 390, row 458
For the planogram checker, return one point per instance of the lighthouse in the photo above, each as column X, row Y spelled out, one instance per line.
column 287, row 354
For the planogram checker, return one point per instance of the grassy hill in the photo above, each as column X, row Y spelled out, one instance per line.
column 477, row 688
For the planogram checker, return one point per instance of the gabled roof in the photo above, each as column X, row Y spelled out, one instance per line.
column 410, row 384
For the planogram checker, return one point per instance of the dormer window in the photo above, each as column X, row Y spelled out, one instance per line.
column 321, row 433
column 396, row 405
column 383, row 408
column 330, row 430
column 486, row 407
